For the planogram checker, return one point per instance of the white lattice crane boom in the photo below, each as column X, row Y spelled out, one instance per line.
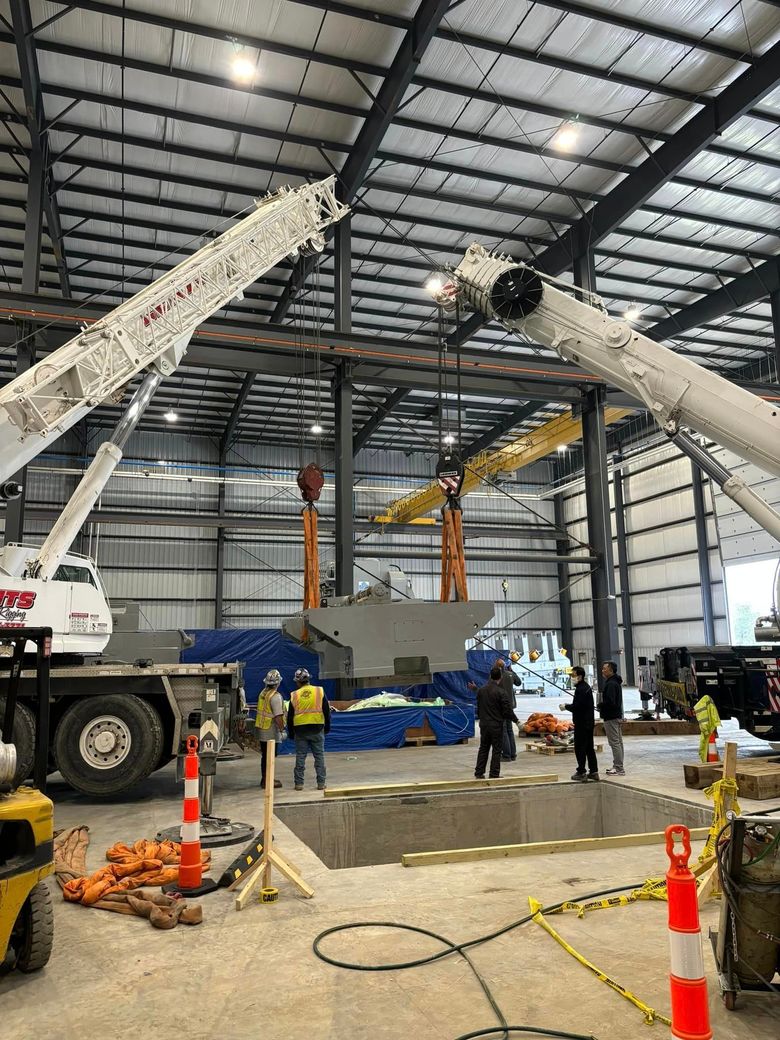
column 151, row 330
column 148, row 334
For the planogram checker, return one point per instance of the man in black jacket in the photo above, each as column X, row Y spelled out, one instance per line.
column 493, row 709
column 582, row 715
column 611, row 712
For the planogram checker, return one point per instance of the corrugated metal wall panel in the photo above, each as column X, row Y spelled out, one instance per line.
column 663, row 562
column 741, row 537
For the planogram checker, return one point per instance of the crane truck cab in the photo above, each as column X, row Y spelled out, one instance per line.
column 73, row 603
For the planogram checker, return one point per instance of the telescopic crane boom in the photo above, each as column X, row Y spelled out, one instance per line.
column 677, row 392
column 148, row 333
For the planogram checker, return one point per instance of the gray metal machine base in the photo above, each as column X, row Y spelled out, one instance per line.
column 215, row 831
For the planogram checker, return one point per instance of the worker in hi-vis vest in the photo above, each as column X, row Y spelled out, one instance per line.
column 269, row 720
column 308, row 720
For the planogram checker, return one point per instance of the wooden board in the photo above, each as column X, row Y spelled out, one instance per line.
column 653, row 728
column 554, row 749
column 542, row 848
column 437, row 786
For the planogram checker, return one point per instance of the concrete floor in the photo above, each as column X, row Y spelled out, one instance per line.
column 236, row 976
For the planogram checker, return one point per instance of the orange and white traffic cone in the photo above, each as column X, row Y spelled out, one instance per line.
column 712, row 749
column 690, row 1010
column 191, row 881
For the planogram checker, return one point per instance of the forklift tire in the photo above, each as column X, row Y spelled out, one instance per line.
column 35, row 930
column 104, row 745
column 23, row 739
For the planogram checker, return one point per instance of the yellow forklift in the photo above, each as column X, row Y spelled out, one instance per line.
column 26, row 814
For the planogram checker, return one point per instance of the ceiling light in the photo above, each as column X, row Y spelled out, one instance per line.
column 170, row 416
column 631, row 313
column 434, row 284
column 561, row 449
column 567, row 137
column 316, row 429
column 243, row 68
column 449, row 439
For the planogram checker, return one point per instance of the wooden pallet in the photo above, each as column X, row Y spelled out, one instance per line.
column 553, row 749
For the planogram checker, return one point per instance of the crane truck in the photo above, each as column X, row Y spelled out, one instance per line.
column 744, row 682
column 117, row 716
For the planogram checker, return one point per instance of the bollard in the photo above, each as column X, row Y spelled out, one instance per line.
column 690, row 1010
column 191, row 881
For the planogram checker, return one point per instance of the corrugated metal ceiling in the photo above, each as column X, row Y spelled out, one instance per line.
column 471, row 153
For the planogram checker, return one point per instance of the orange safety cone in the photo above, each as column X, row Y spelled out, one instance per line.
column 690, row 1010
column 712, row 749
column 191, row 881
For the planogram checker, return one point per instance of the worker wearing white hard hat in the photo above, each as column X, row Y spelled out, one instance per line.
column 270, row 719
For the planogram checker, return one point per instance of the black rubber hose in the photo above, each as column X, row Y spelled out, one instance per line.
column 503, row 1029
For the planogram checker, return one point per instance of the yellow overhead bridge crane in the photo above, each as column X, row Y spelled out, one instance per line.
column 563, row 429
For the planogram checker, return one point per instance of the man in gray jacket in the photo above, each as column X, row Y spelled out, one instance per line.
column 611, row 712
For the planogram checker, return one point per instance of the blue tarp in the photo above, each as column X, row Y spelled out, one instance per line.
column 376, row 728
column 261, row 649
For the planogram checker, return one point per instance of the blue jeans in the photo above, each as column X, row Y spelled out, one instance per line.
column 315, row 744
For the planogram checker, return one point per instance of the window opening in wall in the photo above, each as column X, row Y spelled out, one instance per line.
column 750, row 593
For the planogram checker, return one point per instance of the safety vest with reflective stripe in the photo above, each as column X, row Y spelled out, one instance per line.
column 307, row 706
column 265, row 717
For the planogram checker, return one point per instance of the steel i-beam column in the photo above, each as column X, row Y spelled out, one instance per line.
column 342, row 390
column 594, row 443
column 625, row 586
column 774, row 299
column 25, row 352
column 564, row 596
column 345, row 478
column 703, row 552
column 219, row 576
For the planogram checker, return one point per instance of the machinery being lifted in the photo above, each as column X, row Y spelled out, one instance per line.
column 382, row 634
column 677, row 392
column 113, row 723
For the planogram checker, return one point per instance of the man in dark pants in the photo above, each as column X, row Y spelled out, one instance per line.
column 493, row 710
column 508, row 681
column 611, row 711
column 583, row 717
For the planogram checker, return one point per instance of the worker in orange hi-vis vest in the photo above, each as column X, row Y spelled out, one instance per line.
column 308, row 720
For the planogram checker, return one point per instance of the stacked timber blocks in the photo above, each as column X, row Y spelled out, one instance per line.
column 757, row 778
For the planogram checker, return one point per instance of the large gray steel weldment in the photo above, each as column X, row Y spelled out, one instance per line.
column 390, row 643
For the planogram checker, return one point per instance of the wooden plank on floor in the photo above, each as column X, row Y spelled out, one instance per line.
column 542, row 848
column 653, row 728
column 434, row 786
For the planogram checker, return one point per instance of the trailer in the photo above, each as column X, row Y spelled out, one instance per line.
column 112, row 725
column 743, row 682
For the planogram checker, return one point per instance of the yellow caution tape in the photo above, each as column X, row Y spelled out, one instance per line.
column 649, row 1013
column 653, row 888
column 717, row 793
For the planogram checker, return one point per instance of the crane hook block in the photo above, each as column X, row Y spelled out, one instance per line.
column 450, row 474
column 311, row 480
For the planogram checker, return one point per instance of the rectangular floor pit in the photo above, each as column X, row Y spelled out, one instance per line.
column 360, row 832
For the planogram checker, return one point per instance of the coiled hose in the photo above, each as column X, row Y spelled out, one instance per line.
column 503, row 1029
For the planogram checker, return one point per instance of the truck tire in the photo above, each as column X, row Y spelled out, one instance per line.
column 23, row 739
column 104, row 745
column 33, row 932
